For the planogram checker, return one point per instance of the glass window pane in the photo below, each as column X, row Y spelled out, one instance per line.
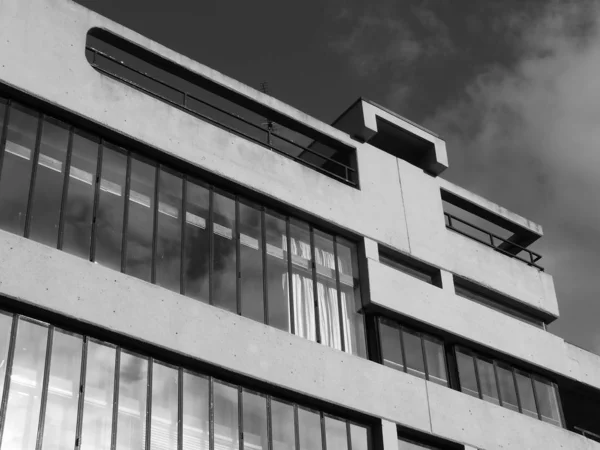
column 16, row 168
column 224, row 268
column 309, row 429
column 277, row 273
column 466, row 373
column 548, row 401
column 49, row 182
column 140, row 220
column 302, row 284
column 389, row 336
column 282, row 419
column 251, row 267
column 163, row 431
column 79, row 206
column 336, row 437
column 195, row 412
column 327, row 295
column 63, row 391
column 404, row 444
column 5, row 329
column 24, row 397
column 414, row 354
column 436, row 363
column 111, row 204
column 255, row 421
column 98, row 400
column 359, row 437
column 525, row 387
column 197, row 242
column 133, row 390
column 353, row 321
column 508, row 391
column 168, row 245
column 226, row 416
column 487, row 381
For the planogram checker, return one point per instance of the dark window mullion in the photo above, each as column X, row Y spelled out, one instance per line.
column 291, row 298
column 296, row 429
column 339, row 293
column 478, row 381
column 149, row 404
column 155, row 225
column 34, row 163
column 96, row 200
column 8, row 373
column 269, row 425
column 65, row 190
column 4, row 132
column 240, row 418
column 425, row 368
column 323, row 433
column 44, row 395
column 497, row 383
column 126, row 215
column 404, row 362
column 263, row 234
column 180, row 409
column 514, row 376
column 211, row 413
column 535, row 397
column 238, row 265
column 313, row 253
column 183, row 235
column 211, row 244
column 348, row 435
column 80, row 403
column 115, row 415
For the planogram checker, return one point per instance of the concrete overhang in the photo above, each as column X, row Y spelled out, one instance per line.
column 368, row 122
column 525, row 232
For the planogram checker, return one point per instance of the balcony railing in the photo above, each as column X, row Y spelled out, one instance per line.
column 587, row 434
column 494, row 241
column 265, row 133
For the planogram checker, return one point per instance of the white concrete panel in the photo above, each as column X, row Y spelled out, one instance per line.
column 371, row 249
column 389, row 431
column 489, row 427
column 429, row 304
column 73, row 287
column 584, row 366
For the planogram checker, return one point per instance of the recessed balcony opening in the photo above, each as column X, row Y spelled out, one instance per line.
column 217, row 104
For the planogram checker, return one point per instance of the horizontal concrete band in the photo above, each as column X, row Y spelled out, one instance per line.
column 75, row 288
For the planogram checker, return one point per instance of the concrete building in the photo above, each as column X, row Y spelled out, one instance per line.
column 188, row 263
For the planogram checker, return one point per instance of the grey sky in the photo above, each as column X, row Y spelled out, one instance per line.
column 511, row 85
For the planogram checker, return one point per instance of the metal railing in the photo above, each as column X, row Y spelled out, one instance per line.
column 345, row 173
column 587, row 434
column 493, row 241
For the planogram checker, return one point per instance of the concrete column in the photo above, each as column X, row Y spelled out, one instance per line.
column 389, row 431
column 447, row 280
column 371, row 249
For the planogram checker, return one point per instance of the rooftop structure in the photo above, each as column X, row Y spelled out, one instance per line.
column 189, row 263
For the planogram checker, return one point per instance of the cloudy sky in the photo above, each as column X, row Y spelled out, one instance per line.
column 513, row 86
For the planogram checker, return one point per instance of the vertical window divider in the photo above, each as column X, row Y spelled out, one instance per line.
column 115, row 415
column 96, row 199
column 238, row 251
column 338, row 288
column 183, row 234
column 477, row 376
column 404, row 362
column 149, row 405
column 348, row 435
column 269, row 425
column 240, row 417
column 517, row 390
column 34, row 163
column 561, row 413
column 323, row 434
column 423, row 350
column 291, row 298
column 497, row 382
column 65, row 190
column 126, row 215
column 211, row 244
column 81, row 399
column 8, row 373
column 180, row 408
column 3, row 138
column 296, row 429
column 313, row 255
column 44, row 395
column 263, row 235
column 535, row 398
column 211, row 413
column 155, row 225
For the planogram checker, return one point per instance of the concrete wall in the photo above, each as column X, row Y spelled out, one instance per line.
column 67, row 285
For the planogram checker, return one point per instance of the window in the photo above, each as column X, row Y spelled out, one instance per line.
column 115, row 207
column 129, row 401
column 479, row 295
column 416, row 353
column 504, row 385
column 410, row 267
column 406, row 444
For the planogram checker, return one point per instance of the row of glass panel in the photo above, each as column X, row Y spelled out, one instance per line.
column 504, row 385
column 65, row 188
column 64, row 391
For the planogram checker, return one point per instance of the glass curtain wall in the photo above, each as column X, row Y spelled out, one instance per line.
column 65, row 188
column 64, row 391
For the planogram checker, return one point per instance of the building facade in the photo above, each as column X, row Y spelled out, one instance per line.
column 189, row 263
